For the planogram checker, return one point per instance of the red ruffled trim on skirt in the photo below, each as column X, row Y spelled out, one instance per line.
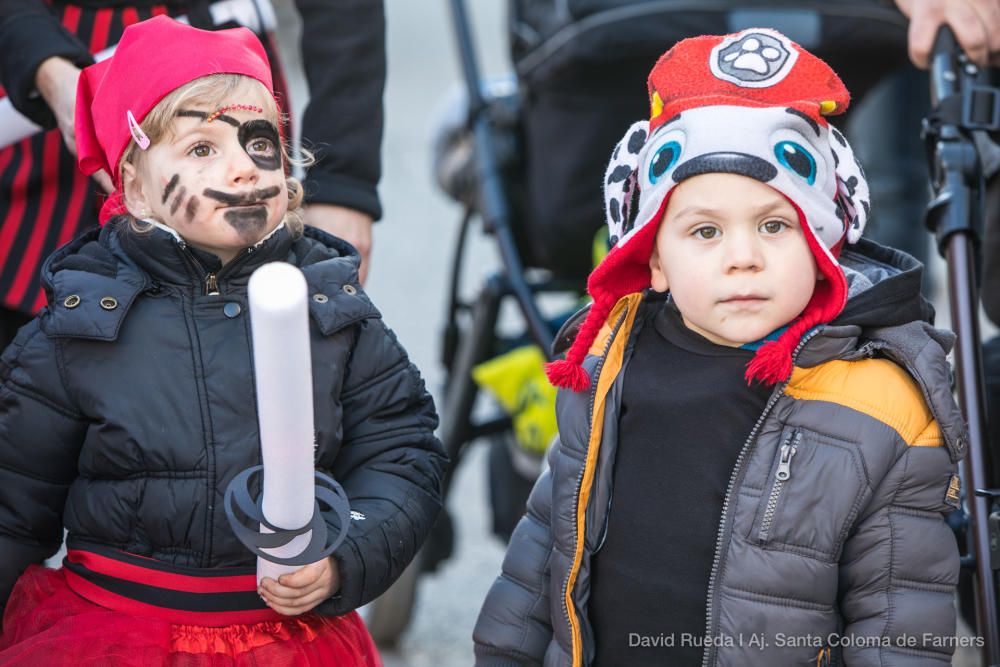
column 46, row 623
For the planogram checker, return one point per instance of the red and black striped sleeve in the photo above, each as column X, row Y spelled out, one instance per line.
column 30, row 34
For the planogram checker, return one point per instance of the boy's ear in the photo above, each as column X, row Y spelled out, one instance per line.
column 132, row 192
column 657, row 278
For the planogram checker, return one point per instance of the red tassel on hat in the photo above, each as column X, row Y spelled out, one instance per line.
column 567, row 375
column 773, row 361
column 625, row 270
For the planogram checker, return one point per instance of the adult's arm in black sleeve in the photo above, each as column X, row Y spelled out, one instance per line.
column 29, row 35
column 343, row 53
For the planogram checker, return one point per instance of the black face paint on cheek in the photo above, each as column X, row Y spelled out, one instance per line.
column 249, row 222
column 170, row 187
column 176, row 204
column 191, row 208
column 261, row 129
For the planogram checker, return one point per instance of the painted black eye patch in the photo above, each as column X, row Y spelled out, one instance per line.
column 255, row 130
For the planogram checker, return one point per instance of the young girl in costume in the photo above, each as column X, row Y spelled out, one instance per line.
column 128, row 405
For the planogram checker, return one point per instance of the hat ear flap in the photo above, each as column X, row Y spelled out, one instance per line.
column 621, row 182
column 853, row 197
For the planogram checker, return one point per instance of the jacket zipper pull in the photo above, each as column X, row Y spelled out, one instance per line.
column 785, row 462
column 211, row 284
column 782, row 475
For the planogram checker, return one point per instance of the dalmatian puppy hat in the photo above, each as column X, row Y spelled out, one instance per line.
column 752, row 103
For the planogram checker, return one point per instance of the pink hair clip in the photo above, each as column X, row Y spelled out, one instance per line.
column 140, row 137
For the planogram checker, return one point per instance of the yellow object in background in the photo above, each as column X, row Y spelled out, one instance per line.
column 517, row 380
column 601, row 246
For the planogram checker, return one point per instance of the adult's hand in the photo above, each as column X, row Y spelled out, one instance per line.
column 56, row 80
column 353, row 226
column 976, row 24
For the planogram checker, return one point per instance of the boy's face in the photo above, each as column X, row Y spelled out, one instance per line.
column 219, row 183
column 734, row 257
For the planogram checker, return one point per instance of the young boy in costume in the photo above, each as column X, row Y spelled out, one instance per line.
column 128, row 405
column 757, row 440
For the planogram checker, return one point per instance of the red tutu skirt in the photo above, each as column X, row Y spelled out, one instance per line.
column 47, row 624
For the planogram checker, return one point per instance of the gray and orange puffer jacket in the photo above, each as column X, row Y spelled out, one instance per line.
column 850, row 552
column 129, row 404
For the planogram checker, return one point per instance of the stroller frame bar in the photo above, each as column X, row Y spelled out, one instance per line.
column 493, row 206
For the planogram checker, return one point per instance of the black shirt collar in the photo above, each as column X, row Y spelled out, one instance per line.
column 670, row 325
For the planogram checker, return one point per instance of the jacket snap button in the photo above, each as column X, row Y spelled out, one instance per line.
column 109, row 303
column 320, row 298
column 350, row 289
column 72, row 301
column 231, row 309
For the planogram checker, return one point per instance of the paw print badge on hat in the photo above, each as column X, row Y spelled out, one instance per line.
column 755, row 58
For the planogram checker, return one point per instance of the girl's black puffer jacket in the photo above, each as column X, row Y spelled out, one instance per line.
column 128, row 405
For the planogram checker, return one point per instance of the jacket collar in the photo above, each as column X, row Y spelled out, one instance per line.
column 92, row 282
column 167, row 258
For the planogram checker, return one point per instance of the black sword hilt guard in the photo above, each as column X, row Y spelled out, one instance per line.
column 328, row 492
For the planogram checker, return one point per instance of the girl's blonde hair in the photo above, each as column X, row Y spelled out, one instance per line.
column 212, row 91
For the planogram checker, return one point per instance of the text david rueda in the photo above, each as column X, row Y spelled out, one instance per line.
column 761, row 641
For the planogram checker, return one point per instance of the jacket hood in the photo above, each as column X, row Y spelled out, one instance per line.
column 883, row 294
column 883, row 287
